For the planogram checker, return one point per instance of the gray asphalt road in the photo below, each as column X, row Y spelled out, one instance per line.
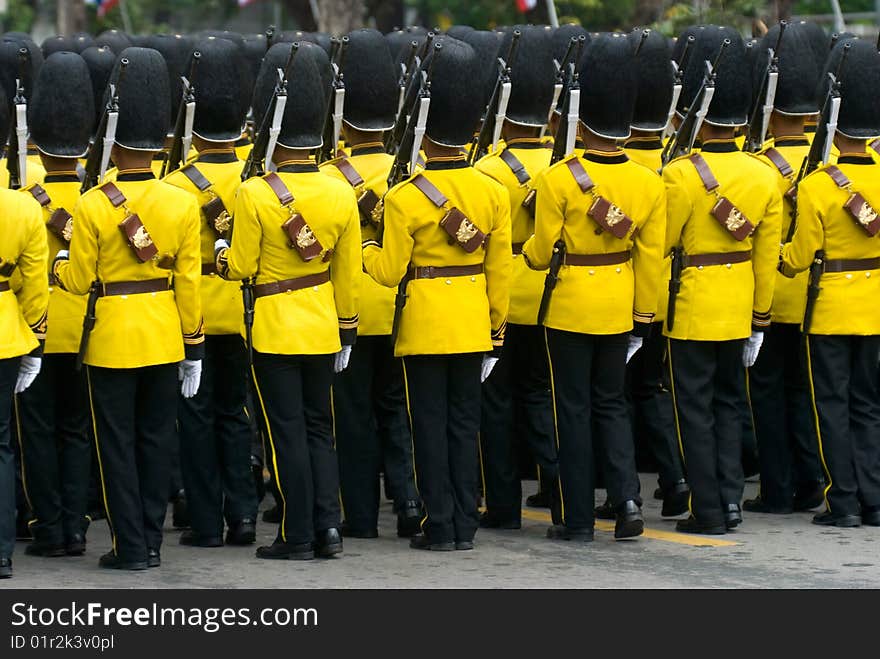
column 767, row 551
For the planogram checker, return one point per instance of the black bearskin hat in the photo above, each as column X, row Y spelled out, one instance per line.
column 144, row 100
column 655, row 80
column 100, row 62
column 114, row 39
column 859, row 78
column 371, row 92
column 221, row 90
column 608, row 82
column 487, row 46
column 455, row 110
column 61, row 111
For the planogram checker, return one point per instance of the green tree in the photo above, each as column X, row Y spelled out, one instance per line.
column 19, row 16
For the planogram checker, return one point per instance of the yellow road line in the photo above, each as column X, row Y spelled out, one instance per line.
column 654, row 534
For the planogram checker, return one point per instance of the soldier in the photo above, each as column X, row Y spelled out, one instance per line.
column 437, row 240
column 297, row 233
column 791, row 476
column 12, row 70
column 53, row 414
column 517, row 394
column 23, row 257
column 369, row 397
column 647, row 376
column 133, row 238
column 724, row 210
column 603, row 215
column 214, row 430
column 836, row 227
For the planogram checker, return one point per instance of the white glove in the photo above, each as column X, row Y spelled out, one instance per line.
column 752, row 348
column 189, row 372
column 27, row 372
column 62, row 254
column 342, row 358
column 488, row 364
column 635, row 342
column 220, row 243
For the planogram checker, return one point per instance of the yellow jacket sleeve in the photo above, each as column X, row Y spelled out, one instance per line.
column 77, row 274
column 678, row 207
column 765, row 258
column 809, row 237
column 498, row 266
column 345, row 269
column 33, row 293
column 187, row 283
column 648, row 247
column 387, row 265
column 549, row 219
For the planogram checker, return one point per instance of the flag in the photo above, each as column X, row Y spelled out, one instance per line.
column 103, row 6
column 526, row 5
column 245, row 3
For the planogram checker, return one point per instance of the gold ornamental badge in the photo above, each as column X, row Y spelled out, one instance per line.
column 141, row 239
column 223, row 222
column 305, row 237
column 614, row 216
column 378, row 212
column 734, row 220
column 466, row 231
column 866, row 214
column 67, row 231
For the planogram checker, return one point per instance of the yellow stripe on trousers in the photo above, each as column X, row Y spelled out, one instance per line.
column 275, row 473
column 100, row 461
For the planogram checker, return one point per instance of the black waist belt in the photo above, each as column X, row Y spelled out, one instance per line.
column 295, row 284
column 850, row 265
column 209, row 269
column 4, row 286
column 435, row 271
column 613, row 258
column 720, row 258
column 517, row 248
column 134, row 287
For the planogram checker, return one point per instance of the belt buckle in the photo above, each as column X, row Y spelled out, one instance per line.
column 425, row 272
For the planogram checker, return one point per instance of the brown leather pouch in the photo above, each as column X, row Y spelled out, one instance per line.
column 217, row 217
column 61, row 224
column 862, row 212
column 529, row 202
column 610, row 217
column 301, row 238
column 732, row 219
column 462, row 231
column 367, row 203
column 137, row 237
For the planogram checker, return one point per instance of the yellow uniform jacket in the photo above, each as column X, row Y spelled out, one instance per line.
column 526, row 284
column 35, row 171
column 647, row 151
column 221, row 299
column 446, row 315
column 789, row 295
column 376, row 308
column 847, row 302
column 66, row 310
column 723, row 302
column 308, row 321
column 605, row 299
column 146, row 329
column 23, row 256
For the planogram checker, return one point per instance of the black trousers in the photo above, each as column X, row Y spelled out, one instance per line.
column 8, row 376
column 443, row 397
column 369, row 401
column 647, row 382
column 709, row 391
column 779, row 394
column 587, row 374
column 516, row 403
column 53, row 419
column 296, row 416
column 843, row 375
column 215, row 440
column 134, row 419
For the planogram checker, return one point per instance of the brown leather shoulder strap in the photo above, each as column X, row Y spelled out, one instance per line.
column 38, row 193
column 580, row 174
column 430, row 191
column 274, row 181
column 706, row 175
column 196, row 177
column 839, row 178
column 113, row 193
column 518, row 169
column 349, row 172
column 779, row 162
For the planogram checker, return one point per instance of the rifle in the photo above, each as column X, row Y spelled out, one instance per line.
column 759, row 119
column 674, row 284
column 395, row 135
column 407, row 153
column 88, row 322
column 566, row 132
column 183, row 125
column 267, row 135
column 820, row 149
column 559, row 83
column 99, row 152
column 682, row 143
column 552, row 277
column 490, row 131
column 816, row 270
column 678, row 80
column 249, row 300
column 406, row 73
column 270, row 36
column 333, row 122
column 16, row 150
